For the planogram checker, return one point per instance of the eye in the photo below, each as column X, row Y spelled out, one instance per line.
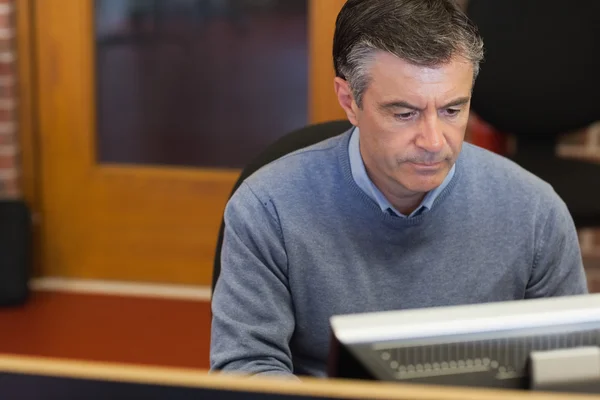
column 405, row 116
column 452, row 112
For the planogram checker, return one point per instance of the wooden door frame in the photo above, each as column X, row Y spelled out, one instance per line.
column 321, row 16
column 27, row 134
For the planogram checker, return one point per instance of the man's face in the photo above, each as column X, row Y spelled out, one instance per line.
column 412, row 122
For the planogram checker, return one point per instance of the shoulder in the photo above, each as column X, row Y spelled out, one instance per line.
column 290, row 181
column 491, row 170
column 297, row 170
column 506, row 183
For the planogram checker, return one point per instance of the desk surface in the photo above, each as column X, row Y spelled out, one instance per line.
column 30, row 378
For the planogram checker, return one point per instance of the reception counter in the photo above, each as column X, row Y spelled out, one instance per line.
column 31, row 378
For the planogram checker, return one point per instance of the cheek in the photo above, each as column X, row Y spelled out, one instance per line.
column 384, row 148
column 387, row 133
column 376, row 133
column 455, row 135
column 391, row 141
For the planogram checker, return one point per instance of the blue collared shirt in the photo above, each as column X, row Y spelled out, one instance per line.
column 359, row 173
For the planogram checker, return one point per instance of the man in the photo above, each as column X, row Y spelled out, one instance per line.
column 397, row 213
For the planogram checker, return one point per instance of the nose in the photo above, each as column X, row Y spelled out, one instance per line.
column 430, row 136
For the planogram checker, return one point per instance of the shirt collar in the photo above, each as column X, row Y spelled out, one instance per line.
column 359, row 173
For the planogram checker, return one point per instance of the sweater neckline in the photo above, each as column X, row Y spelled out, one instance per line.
column 373, row 208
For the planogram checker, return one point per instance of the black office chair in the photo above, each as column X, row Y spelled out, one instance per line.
column 289, row 143
column 540, row 80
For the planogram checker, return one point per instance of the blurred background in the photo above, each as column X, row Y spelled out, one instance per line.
column 125, row 123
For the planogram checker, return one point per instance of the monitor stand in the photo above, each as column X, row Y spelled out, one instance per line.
column 575, row 370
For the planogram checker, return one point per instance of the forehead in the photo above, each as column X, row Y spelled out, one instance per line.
column 393, row 76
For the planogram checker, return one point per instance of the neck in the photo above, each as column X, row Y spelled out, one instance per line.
column 408, row 206
column 405, row 204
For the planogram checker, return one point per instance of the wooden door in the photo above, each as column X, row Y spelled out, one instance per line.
column 108, row 209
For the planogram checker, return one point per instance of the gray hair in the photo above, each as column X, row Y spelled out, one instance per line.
column 421, row 32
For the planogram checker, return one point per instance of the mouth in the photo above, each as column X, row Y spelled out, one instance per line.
column 427, row 166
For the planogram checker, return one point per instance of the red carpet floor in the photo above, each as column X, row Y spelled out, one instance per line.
column 151, row 331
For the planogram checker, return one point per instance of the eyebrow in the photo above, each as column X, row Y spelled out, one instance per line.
column 403, row 104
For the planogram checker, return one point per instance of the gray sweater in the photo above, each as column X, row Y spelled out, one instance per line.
column 303, row 242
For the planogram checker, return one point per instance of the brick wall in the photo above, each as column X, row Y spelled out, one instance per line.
column 9, row 149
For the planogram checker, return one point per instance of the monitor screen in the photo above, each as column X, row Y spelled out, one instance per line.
column 482, row 345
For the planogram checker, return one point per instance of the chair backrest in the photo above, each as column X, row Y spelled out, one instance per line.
column 289, row 143
column 541, row 73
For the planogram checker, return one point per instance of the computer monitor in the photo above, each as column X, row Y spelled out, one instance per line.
column 547, row 344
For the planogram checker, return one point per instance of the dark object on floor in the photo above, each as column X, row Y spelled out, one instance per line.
column 15, row 252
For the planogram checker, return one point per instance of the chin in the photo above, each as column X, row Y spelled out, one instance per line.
column 422, row 183
column 423, row 187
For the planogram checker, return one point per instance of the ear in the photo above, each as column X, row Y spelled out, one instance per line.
column 346, row 99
